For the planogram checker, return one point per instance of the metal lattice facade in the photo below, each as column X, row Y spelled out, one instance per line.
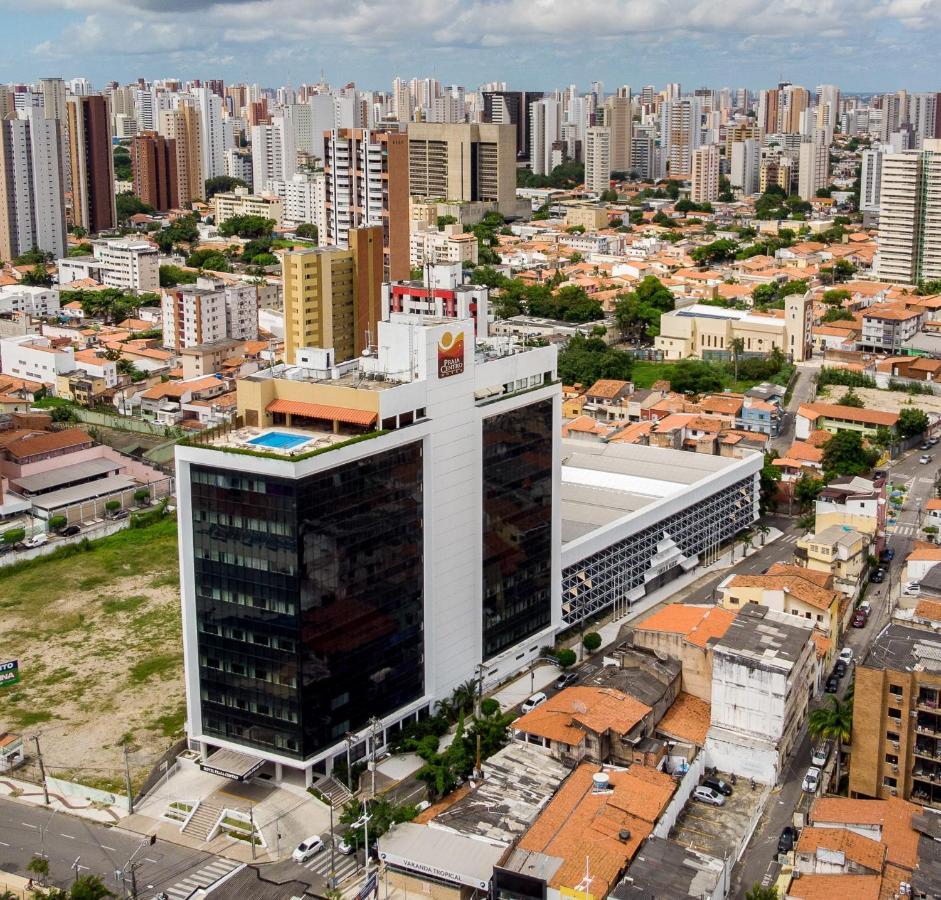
column 621, row 573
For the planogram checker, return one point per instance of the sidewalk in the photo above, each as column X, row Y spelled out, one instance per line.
column 26, row 792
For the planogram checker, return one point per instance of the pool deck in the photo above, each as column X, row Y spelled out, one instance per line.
column 312, row 440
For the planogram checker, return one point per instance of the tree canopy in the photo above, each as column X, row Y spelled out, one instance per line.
column 127, row 205
column 912, row 421
column 183, row 230
column 222, row 184
column 247, row 226
column 638, row 312
column 586, row 359
column 846, row 454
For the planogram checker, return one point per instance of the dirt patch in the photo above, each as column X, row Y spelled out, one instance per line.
column 97, row 636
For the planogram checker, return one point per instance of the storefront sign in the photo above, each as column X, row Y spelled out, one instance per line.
column 9, row 673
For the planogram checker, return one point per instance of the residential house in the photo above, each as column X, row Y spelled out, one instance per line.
column 857, row 503
column 837, row 551
column 607, row 400
column 834, row 417
column 163, row 403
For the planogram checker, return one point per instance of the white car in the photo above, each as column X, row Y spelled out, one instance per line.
column 924, row 460
column 537, row 699
column 846, row 655
column 306, row 849
column 707, row 795
column 37, row 540
column 912, row 589
column 344, row 847
column 821, row 755
column 811, row 780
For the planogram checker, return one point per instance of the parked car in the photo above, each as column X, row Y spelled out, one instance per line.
column 859, row 619
column 308, row 848
column 912, row 589
column 708, row 795
column 933, row 442
column 832, row 685
column 565, row 679
column 888, row 555
column 846, row 654
column 811, row 780
column 839, row 668
column 925, row 459
column 71, row 530
column 718, row 784
column 345, row 847
column 120, row 514
column 421, row 807
column 925, row 446
column 866, row 606
column 37, row 540
column 787, row 840
column 537, row 699
column 821, row 754
column 877, row 576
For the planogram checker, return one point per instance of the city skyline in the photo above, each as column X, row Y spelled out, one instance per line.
column 862, row 45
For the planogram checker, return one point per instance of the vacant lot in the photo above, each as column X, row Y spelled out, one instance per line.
column 97, row 634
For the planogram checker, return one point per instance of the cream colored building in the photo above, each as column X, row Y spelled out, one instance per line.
column 450, row 244
column 837, row 551
column 241, row 203
column 464, row 162
column 591, row 218
column 597, row 159
column 705, row 181
column 182, row 126
column 694, row 330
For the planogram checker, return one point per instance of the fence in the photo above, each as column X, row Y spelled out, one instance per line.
column 122, row 423
column 668, row 819
column 158, row 772
column 71, row 789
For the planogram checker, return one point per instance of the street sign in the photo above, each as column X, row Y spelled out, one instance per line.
column 9, row 673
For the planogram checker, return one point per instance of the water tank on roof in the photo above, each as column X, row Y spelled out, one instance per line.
column 600, row 782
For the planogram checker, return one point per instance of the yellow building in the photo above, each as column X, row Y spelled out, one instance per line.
column 793, row 590
column 700, row 331
column 591, row 218
column 838, row 551
column 332, row 296
column 241, row 203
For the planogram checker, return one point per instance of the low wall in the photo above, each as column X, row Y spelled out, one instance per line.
column 123, row 423
column 690, row 780
column 10, row 559
column 71, row 789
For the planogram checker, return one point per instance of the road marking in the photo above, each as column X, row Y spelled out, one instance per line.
column 4, row 844
column 106, row 847
column 148, row 859
column 71, row 837
column 29, row 825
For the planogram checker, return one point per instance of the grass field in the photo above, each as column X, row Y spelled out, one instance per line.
column 644, row 374
column 97, row 635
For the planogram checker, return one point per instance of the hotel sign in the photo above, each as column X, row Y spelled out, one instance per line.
column 450, row 354
column 423, row 868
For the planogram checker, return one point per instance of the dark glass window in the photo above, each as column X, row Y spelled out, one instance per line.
column 309, row 600
column 517, row 525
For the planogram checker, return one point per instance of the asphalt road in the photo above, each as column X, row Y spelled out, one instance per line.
column 758, row 863
column 27, row 831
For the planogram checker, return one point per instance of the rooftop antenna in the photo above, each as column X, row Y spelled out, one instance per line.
column 585, row 883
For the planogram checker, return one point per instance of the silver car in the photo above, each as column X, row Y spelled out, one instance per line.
column 811, row 780
column 707, row 795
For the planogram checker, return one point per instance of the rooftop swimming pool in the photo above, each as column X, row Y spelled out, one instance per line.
column 279, row 440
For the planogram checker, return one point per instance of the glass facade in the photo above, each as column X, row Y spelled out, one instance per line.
column 309, row 600
column 517, row 525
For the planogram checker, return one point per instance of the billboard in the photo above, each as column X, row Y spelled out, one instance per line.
column 450, row 353
column 9, row 672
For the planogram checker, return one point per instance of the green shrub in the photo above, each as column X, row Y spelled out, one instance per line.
column 566, row 658
column 113, row 505
column 57, row 523
column 14, row 535
column 591, row 641
column 489, row 707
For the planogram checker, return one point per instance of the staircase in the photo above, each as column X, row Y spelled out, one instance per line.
column 335, row 791
column 202, row 821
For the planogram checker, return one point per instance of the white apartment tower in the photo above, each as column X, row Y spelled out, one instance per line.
column 544, row 130
column 32, row 185
column 746, row 164
column 598, row 159
column 870, row 180
column 681, row 134
column 212, row 143
column 910, row 215
column 813, row 165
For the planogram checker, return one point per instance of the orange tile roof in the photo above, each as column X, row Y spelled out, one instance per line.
column 815, row 411
column 579, row 824
column 894, row 815
column 607, row 387
column 865, row 851
column 822, row 644
column 177, row 389
column 795, row 585
column 687, row 719
column 924, row 552
column 47, row 441
column 933, row 503
column 929, row 609
column 716, row 403
column 836, row 887
column 323, row 411
column 821, row 579
column 571, row 713
column 697, row 623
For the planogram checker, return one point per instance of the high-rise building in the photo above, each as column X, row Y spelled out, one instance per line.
column 813, row 165
column 366, row 184
column 364, row 581
column 923, row 116
column 793, row 101
column 91, row 163
column 681, row 134
column 211, row 139
column 870, row 180
column 544, row 132
column 598, row 159
column 32, row 186
column 153, row 163
column 209, row 310
column 513, row 108
column 274, row 153
column 828, row 109
column 617, row 119
column 463, row 162
column 332, row 297
column 909, row 239
column 745, row 159
column 705, row 177
column 182, row 126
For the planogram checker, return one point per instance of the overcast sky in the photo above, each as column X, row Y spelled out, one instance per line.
column 861, row 45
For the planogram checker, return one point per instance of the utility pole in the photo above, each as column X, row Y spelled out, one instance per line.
column 333, row 865
column 366, row 835
column 251, row 822
column 373, row 722
column 127, row 782
column 42, row 770
column 75, row 867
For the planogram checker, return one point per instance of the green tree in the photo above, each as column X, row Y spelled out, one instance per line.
column 835, row 723
column 184, row 230
column 609, row 196
column 566, row 658
column 806, row 490
column 171, row 276
column 695, row 376
column 89, row 887
column 911, row 421
column 39, row 866
column 837, row 315
column 247, row 226
column 222, row 184
column 845, row 454
column 769, row 479
column 306, row 230
column 57, row 523
column 851, row 398
column 737, row 346
column 764, row 531
column 446, row 220
column 127, row 205
column 585, row 360
column 14, row 535
column 122, row 163
column 592, row 641
column 759, row 892
column 112, row 506
column 37, row 277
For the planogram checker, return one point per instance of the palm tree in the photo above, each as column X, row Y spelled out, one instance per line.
column 738, row 346
column 764, row 531
column 834, row 722
column 8, row 895
column 745, row 540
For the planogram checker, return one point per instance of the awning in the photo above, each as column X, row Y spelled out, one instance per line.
column 343, row 414
column 232, row 764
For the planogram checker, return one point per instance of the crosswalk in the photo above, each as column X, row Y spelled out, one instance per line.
column 320, row 864
column 202, row 878
column 790, row 539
